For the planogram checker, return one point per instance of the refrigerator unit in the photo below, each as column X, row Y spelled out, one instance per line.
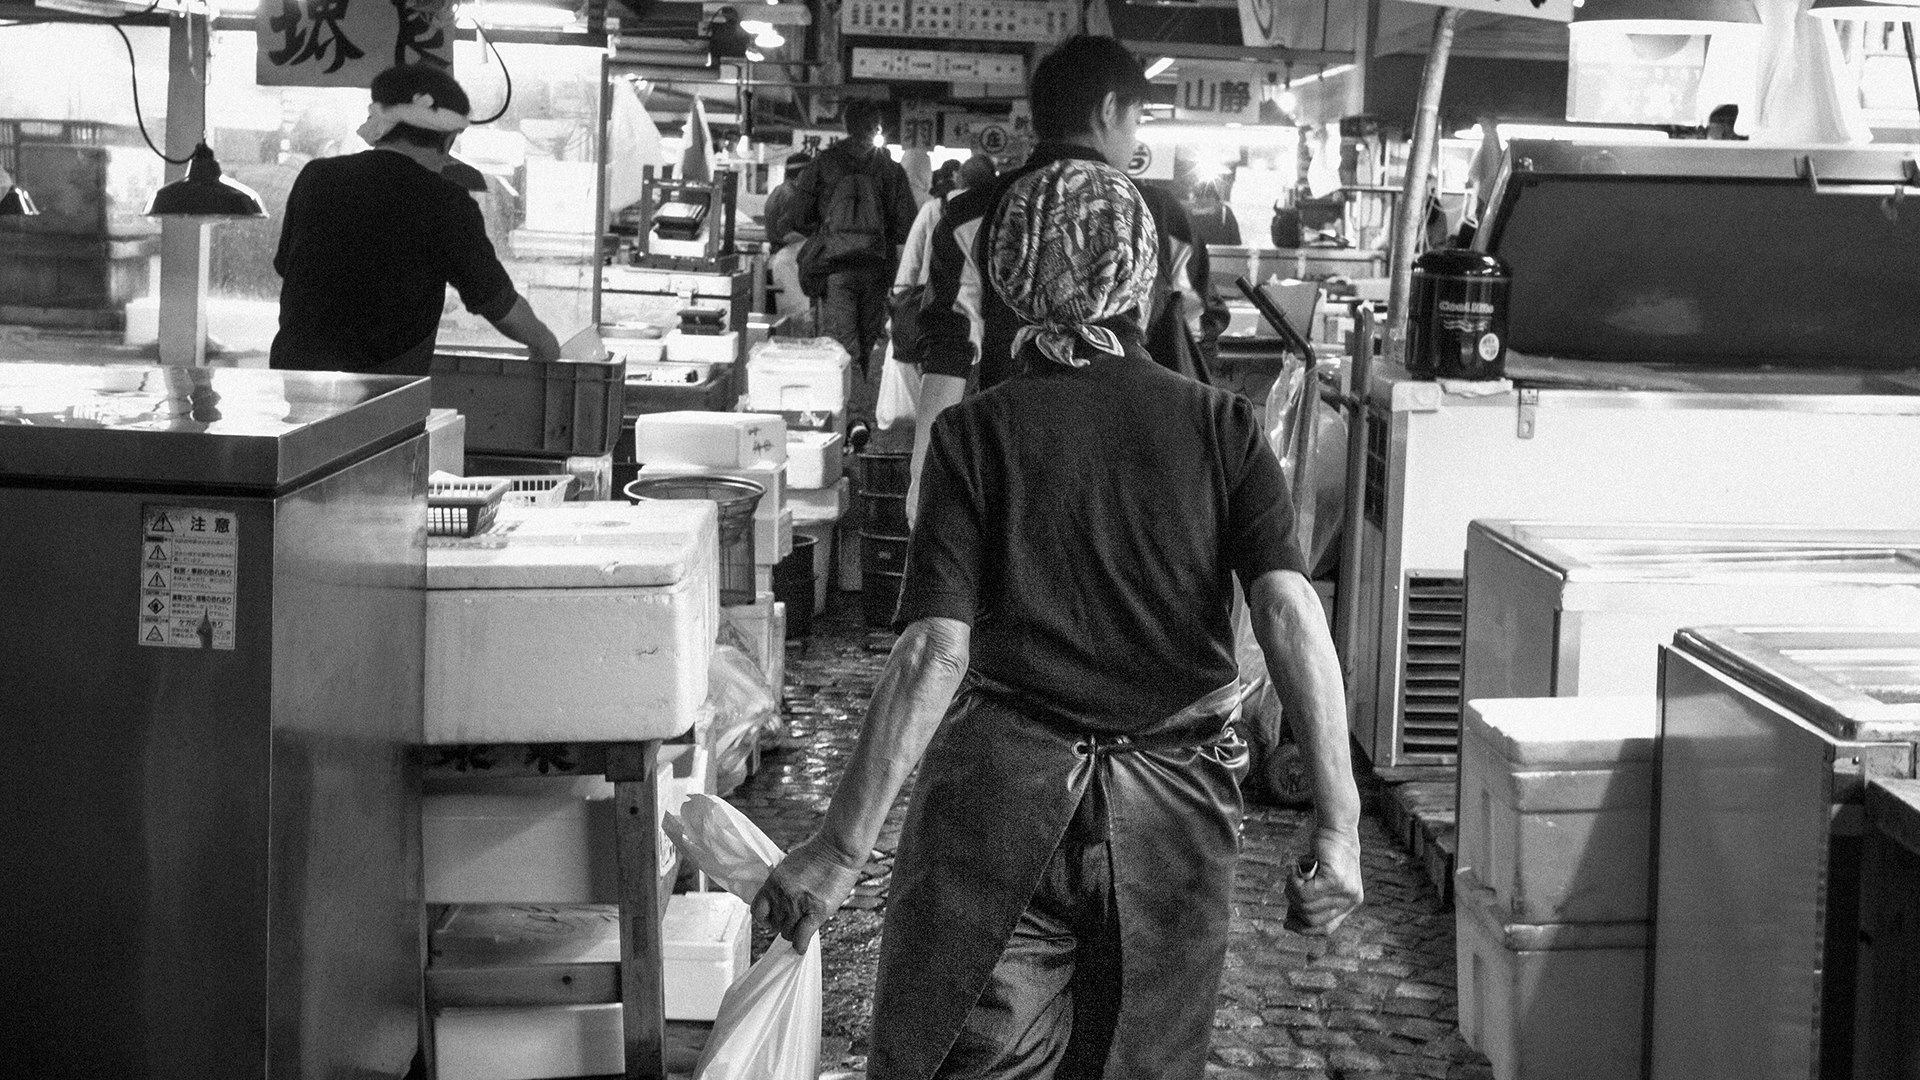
column 1690, row 339
column 1563, row 609
column 1768, row 741
column 214, row 586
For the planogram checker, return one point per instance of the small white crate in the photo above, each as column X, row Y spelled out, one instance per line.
column 814, row 459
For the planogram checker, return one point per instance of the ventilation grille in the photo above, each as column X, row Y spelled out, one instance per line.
column 1430, row 670
column 1374, row 494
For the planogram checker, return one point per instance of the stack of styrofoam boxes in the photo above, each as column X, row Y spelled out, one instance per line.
column 1552, row 905
column 583, row 622
column 810, row 383
column 751, row 446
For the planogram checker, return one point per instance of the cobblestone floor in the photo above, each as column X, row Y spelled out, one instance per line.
column 1375, row 1001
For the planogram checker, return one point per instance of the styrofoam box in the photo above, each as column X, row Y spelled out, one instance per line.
column 814, row 506
column 1561, row 1001
column 770, row 476
column 822, row 533
column 753, row 627
column 585, row 621
column 709, row 348
column 446, row 441
column 814, row 458
column 638, row 350
column 721, row 439
column 529, row 841
column 1556, row 799
column 782, row 377
column 773, row 540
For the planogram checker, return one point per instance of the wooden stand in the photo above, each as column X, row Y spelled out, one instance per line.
column 633, row 767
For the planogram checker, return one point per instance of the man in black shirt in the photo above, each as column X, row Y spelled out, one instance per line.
column 1062, row 886
column 372, row 240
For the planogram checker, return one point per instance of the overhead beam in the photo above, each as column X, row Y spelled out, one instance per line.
column 1181, row 50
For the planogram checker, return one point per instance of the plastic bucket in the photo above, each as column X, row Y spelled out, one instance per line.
column 737, row 499
column 793, row 580
column 885, row 474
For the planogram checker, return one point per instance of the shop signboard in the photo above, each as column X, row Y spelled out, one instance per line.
column 919, row 125
column 1222, row 92
column 348, row 42
column 1151, row 162
column 814, row 140
column 1289, row 23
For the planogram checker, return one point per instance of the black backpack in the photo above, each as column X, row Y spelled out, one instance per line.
column 852, row 230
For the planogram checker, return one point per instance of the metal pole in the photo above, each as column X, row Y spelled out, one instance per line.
column 1412, row 218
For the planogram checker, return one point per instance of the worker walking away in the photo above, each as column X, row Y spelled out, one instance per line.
column 783, row 245
column 856, row 208
column 1065, row 682
column 371, row 241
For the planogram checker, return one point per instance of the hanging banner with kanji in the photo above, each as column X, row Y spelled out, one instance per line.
column 1222, row 92
column 348, row 42
column 1311, row 25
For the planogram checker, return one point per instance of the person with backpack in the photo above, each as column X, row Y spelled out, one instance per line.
column 856, row 208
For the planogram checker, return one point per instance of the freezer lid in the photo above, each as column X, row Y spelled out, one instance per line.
column 1710, row 255
column 581, row 545
column 1711, row 553
column 221, row 427
column 1857, row 685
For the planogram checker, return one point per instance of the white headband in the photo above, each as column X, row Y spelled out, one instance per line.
column 421, row 112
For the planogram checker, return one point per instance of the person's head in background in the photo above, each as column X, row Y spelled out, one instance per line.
column 795, row 164
column 944, row 179
column 864, row 121
column 1206, row 197
column 978, row 171
column 1089, row 93
column 418, row 106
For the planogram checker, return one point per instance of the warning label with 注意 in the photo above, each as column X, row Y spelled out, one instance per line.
column 189, row 571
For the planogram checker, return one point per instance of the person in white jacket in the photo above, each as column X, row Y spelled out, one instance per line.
column 915, row 257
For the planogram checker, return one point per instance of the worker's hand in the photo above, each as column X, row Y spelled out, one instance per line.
column 1323, row 889
column 805, row 890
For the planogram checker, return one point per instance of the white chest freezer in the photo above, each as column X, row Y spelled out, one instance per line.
column 1691, row 338
column 580, row 622
column 1768, row 739
column 1575, row 608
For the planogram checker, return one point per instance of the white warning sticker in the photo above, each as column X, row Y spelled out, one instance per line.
column 189, row 577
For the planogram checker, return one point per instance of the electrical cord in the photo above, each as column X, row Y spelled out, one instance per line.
column 504, row 72
column 133, row 73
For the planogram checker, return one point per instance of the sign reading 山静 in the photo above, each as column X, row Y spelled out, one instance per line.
column 1222, row 92
column 348, row 42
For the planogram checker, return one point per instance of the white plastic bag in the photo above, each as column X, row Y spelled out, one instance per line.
column 745, row 712
column 769, row 1022
column 899, row 392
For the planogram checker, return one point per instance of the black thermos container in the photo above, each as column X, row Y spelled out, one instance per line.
column 1457, row 328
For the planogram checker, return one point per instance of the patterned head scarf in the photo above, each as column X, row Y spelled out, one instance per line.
column 1074, row 246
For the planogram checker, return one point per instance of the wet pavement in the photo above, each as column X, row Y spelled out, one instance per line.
column 1377, row 1000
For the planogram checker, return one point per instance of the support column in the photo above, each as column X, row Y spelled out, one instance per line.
column 1411, row 220
column 184, row 247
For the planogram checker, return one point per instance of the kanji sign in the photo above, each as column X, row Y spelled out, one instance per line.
column 1551, row 10
column 919, row 125
column 348, row 42
column 1225, row 92
column 189, row 577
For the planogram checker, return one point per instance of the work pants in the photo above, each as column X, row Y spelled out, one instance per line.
column 1049, row 1008
column 853, row 311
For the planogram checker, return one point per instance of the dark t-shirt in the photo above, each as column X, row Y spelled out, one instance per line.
column 369, row 245
column 1086, row 522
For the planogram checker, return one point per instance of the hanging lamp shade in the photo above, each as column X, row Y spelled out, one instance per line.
column 14, row 201
column 203, row 192
column 464, row 174
column 1866, row 10
column 1666, row 16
